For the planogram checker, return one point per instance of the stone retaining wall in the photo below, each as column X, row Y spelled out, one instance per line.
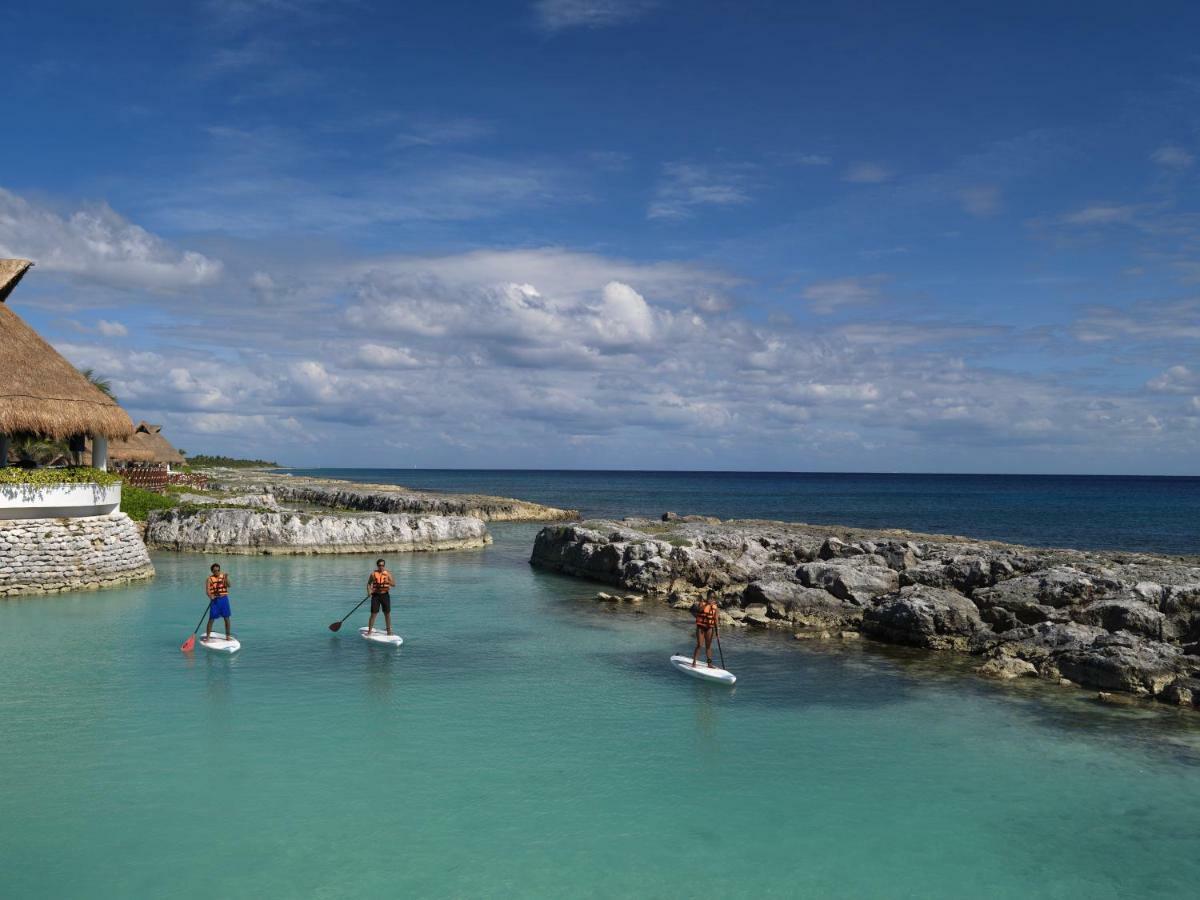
column 50, row 556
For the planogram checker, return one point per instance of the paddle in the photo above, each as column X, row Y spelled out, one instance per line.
column 190, row 643
column 717, row 635
column 336, row 626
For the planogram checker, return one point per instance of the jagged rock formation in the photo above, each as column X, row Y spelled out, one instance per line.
column 294, row 532
column 1113, row 621
column 385, row 498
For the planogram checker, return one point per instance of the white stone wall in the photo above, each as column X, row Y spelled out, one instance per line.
column 50, row 556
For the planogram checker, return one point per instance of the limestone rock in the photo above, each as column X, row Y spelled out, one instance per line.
column 923, row 616
column 855, row 583
column 1006, row 667
column 253, row 531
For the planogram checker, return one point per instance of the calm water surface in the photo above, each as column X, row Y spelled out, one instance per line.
column 528, row 742
column 1157, row 515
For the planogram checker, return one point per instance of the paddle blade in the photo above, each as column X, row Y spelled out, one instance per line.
column 336, row 626
column 189, row 644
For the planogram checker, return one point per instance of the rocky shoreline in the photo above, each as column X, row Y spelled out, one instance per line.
column 257, row 511
column 383, row 498
column 250, row 531
column 1117, row 622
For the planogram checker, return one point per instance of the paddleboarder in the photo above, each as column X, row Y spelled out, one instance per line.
column 217, row 588
column 379, row 586
column 706, row 627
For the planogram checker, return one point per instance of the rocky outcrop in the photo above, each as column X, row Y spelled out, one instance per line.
column 50, row 556
column 292, row 532
column 925, row 617
column 1111, row 621
column 383, row 498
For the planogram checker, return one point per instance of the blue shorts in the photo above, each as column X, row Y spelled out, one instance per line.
column 218, row 607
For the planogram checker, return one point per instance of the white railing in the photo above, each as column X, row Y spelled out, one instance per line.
column 54, row 501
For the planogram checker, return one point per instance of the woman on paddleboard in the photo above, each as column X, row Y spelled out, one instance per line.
column 706, row 627
column 379, row 585
column 217, row 588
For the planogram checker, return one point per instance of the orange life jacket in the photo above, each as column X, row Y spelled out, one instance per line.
column 381, row 581
column 707, row 617
column 218, row 585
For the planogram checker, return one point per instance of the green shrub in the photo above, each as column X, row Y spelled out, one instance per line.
column 47, row 477
column 229, row 462
column 137, row 502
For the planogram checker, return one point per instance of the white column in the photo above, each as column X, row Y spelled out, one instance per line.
column 99, row 453
column 3, row 450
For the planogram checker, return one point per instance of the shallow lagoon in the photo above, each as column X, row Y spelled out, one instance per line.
column 527, row 741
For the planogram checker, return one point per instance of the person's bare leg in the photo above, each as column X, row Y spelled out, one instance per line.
column 387, row 618
column 228, row 632
column 371, row 622
column 696, row 652
column 208, row 631
column 708, row 636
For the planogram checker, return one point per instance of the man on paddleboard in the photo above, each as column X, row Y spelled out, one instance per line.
column 217, row 588
column 379, row 585
column 706, row 627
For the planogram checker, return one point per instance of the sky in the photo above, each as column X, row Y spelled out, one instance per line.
column 851, row 236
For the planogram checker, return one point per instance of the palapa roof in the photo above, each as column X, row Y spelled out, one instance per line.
column 146, row 444
column 40, row 392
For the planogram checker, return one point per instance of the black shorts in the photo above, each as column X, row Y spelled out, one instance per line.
column 381, row 601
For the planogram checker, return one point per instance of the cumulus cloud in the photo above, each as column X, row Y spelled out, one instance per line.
column 538, row 356
column 1176, row 380
column 111, row 329
column 95, row 243
column 379, row 356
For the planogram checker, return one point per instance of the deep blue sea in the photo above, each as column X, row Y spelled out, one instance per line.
column 1157, row 515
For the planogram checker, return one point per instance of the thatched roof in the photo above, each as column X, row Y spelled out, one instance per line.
column 145, row 445
column 40, row 392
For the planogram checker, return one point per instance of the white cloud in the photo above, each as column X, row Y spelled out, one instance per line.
column 1101, row 214
column 555, row 15
column 96, row 244
column 825, row 297
column 379, row 356
column 685, row 186
column 1172, row 157
column 111, row 329
column 1176, row 380
column 867, row 173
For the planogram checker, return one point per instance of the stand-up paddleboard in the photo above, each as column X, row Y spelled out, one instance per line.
column 218, row 643
column 381, row 637
column 702, row 671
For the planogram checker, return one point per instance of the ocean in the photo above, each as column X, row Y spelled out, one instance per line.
column 527, row 741
column 1089, row 512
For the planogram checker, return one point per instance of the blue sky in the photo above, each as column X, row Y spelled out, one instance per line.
column 622, row 233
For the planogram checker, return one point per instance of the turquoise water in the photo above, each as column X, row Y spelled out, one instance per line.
column 1155, row 515
column 529, row 742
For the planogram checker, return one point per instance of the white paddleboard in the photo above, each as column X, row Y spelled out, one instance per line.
column 702, row 671
column 218, row 643
column 381, row 637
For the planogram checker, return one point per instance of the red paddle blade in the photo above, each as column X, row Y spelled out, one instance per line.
column 336, row 626
column 188, row 644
